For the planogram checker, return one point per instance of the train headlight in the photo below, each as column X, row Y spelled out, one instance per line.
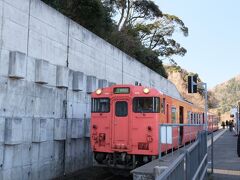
column 146, row 90
column 98, row 92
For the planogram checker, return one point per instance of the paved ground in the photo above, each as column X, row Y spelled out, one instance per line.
column 226, row 162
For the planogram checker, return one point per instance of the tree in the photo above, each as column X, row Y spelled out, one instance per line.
column 155, row 28
column 157, row 35
column 132, row 10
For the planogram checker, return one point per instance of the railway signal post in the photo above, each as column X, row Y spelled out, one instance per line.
column 193, row 85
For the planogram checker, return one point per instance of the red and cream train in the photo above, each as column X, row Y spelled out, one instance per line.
column 125, row 123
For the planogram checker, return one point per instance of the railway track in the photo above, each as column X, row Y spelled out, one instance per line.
column 95, row 173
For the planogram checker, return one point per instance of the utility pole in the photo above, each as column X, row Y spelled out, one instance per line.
column 202, row 84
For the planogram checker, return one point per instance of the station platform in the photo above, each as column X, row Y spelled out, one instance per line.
column 146, row 172
column 226, row 162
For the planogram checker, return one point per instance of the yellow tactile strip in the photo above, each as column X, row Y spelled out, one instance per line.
column 226, row 172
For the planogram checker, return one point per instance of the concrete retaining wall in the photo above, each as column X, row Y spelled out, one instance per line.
column 49, row 65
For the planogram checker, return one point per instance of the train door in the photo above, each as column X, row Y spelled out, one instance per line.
column 120, row 124
column 168, row 120
column 181, row 121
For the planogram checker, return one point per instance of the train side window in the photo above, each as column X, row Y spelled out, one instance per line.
column 174, row 114
column 146, row 104
column 100, row 105
column 163, row 106
column 203, row 118
column 121, row 108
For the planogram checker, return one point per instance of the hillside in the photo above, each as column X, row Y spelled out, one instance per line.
column 227, row 95
column 221, row 98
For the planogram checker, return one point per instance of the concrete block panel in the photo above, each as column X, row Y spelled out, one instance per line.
column 35, row 152
column 41, row 44
column 36, row 130
column 102, row 83
column 30, row 76
column 42, row 129
column 52, row 75
column 78, row 97
column 17, row 65
column 27, row 172
column 60, row 96
column 78, row 110
column 46, row 151
column 87, row 127
column 78, row 81
column 12, row 156
column 59, row 150
column 42, row 12
column 2, row 130
column 27, row 130
column 14, row 36
column 21, row 5
column 62, row 77
column 46, row 170
column 91, row 84
column 111, row 84
column 60, row 129
column 77, row 128
column 35, row 171
column 58, row 168
column 42, row 68
column 4, row 61
column 26, row 154
column 13, row 131
column 1, row 15
column 30, row 105
column 44, row 107
column 1, row 155
column 75, row 31
column 12, row 174
column 15, row 14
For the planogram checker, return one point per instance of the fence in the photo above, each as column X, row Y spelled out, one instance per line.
column 192, row 163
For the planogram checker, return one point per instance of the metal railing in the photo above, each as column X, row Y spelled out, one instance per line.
column 192, row 162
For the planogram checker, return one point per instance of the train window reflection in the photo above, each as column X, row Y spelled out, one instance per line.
column 146, row 105
column 100, row 105
column 163, row 106
column 121, row 108
column 174, row 114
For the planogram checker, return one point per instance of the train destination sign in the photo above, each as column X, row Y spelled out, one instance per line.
column 121, row 90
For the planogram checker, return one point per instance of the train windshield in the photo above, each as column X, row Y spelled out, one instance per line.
column 146, row 105
column 100, row 105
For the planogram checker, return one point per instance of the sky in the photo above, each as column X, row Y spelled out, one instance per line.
column 213, row 43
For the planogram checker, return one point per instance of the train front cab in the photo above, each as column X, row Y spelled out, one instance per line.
column 124, row 124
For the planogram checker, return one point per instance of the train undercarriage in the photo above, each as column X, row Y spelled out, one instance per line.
column 122, row 160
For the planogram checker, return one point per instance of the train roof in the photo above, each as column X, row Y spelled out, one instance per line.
column 137, row 90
